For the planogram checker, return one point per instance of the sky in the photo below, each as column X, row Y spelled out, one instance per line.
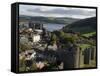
column 51, row 11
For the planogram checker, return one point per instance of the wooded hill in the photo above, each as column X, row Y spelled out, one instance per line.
column 83, row 26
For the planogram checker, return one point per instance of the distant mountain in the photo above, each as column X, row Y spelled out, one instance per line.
column 59, row 20
column 83, row 26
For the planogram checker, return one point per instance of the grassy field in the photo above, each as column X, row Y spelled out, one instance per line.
column 89, row 34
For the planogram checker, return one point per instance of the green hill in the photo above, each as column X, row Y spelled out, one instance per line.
column 57, row 20
column 83, row 26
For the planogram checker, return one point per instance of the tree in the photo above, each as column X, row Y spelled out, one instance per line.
column 53, row 39
column 23, row 47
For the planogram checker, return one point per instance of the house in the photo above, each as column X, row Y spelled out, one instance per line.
column 36, row 38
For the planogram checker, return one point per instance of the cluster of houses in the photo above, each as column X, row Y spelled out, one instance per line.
column 33, row 31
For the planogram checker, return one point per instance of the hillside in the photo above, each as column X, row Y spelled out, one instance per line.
column 83, row 26
column 57, row 20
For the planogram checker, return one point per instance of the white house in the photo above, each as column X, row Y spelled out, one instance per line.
column 36, row 38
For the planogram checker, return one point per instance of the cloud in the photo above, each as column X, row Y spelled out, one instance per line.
column 51, row 11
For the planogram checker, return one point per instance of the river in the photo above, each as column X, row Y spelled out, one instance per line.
column 52, row 27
